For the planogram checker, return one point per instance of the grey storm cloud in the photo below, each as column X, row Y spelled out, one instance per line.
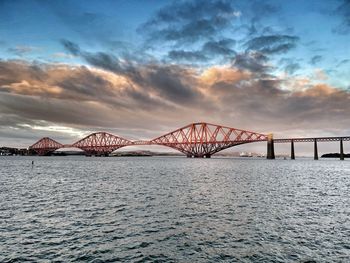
column 197, row 25
column 192, row 31
column 222, row 47
column 262, row 99
column 188, row 21
column 252, row 61
column 272, row 44
column 52, row 110
column 209, row 51
column 170, row 82
column 188, row 10
column 82, row 84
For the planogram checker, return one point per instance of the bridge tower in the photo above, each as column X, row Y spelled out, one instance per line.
column 45, row 146
column 270, row 147
column 292, row 152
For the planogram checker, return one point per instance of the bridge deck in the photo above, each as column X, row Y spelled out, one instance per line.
column 318, row 139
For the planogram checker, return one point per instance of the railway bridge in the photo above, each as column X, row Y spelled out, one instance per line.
column 198, row 140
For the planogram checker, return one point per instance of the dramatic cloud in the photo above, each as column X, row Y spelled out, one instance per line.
column 169, row 82
column 190, row 21
column 74, row 83
column 161, row 98
column 199, row 26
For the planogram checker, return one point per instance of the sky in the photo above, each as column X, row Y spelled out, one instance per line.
column 139, row 69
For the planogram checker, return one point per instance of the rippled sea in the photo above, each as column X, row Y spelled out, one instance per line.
column 166, row 209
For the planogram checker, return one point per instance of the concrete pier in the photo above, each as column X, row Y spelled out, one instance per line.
column 292, row 153
column 341, row 150
column 315, row 150
column 198, row 156
column 270, row 147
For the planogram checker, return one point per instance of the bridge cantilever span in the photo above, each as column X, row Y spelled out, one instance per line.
column 205, row 139
column 45, row 146
column 101, row 143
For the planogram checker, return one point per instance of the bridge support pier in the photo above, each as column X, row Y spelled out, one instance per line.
column 341, row 150
column 198, row 156
column 315, row 150
column 270, row 147
column 292, row 153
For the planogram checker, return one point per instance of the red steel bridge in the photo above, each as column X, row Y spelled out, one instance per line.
column 199, row 140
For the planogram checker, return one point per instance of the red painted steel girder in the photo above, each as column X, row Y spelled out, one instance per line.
column 45, row 146
column 101, row 143
column 204, row 139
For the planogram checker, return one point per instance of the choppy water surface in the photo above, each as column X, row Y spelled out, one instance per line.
column 173, row 210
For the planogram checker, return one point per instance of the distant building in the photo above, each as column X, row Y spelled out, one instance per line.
column 7, row 151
